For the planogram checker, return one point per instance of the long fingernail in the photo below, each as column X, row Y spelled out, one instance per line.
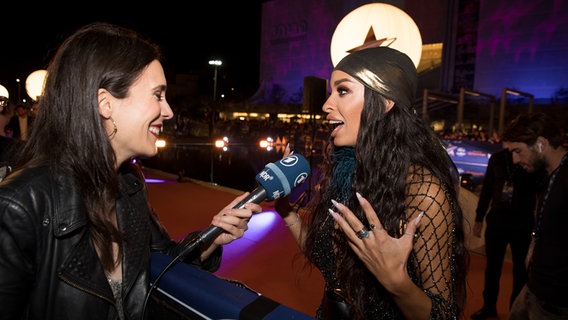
column 332, row 213
column 359, row 196
column 419, row 217
column 336, row 204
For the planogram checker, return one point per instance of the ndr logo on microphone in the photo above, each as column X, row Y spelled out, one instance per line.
column 264, row 175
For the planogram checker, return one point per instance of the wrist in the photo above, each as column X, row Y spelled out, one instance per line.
column 293, row 222
column 283, row 208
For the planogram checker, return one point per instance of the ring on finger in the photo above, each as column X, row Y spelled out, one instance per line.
column 414, row 235
column 363, row 233
column 373, row 227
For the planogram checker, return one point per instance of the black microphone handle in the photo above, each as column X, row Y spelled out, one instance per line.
column 210, row 233
column 256, row 196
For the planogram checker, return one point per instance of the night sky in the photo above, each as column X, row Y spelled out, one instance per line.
column 189, row 33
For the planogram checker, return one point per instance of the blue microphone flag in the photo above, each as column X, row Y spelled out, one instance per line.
column 280, row 177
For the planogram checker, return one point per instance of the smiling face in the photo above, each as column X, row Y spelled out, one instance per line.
column 343, row 107
column 138, row 117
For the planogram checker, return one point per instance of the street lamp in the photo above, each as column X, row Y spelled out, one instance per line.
column 19, row 90
column 216, row 64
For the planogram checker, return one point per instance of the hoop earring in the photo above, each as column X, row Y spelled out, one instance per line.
column 115, row 128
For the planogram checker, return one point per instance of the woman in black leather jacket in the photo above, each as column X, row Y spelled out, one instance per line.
column 76, row 229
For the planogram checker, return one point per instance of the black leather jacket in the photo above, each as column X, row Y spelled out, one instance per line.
column 49, row 268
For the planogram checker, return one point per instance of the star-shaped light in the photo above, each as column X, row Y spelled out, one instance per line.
column 371, row 41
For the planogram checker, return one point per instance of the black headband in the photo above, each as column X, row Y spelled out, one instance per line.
column 384, row 70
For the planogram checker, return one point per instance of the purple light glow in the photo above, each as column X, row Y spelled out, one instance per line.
column 260, row 225
column 522, row 45
column 155, row 180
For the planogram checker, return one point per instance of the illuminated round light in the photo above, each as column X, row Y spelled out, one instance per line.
column 4, row 97
column 263, row 144
column 220, row 143
column 160, row 143
column 376, row 24
column 34, row 84
column 4, row 92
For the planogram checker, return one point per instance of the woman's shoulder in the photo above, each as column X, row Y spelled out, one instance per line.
column 29, row 177
column 421, row 175
column 23, row 191
column 40, row 192
column 424, row 187
column 34, row 183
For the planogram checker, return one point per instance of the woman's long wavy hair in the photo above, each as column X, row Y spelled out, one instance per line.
column 388, row 144
column 68, row 133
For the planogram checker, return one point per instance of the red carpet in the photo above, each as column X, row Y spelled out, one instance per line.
column 267, row 258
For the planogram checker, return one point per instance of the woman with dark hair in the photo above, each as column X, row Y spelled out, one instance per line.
column 76, row 228
column 385, row 230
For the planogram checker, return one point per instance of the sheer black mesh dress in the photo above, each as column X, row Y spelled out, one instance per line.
column 431, row 266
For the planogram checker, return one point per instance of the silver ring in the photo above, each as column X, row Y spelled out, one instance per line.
column 414, row 235
column 373, row 227
column 363, row 233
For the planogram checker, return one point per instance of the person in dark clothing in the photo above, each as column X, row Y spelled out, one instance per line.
column 384, row 228
column 19, row 124
column 538, row 145
column 76, row 226
column 509, row 192
column 8, row 146
column 8, row 149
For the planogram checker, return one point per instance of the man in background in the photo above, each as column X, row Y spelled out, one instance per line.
column 18, row 126
column 508, row 197
column 538, row 145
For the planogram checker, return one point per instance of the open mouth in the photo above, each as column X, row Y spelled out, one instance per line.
column 155, row 130
column 335, row 124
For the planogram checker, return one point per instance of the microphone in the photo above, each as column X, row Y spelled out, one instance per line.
column 275, row 181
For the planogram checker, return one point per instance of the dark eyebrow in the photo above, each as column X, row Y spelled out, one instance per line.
column 161, row 87
column 340, row 81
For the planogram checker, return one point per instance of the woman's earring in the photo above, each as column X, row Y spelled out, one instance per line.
column 115, row 128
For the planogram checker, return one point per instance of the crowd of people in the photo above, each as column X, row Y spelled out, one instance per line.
column 185, row 126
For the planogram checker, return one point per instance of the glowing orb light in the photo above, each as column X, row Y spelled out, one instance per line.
column 4, row 92
column 4, row 96
column 373, row 25
column 34, row 84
